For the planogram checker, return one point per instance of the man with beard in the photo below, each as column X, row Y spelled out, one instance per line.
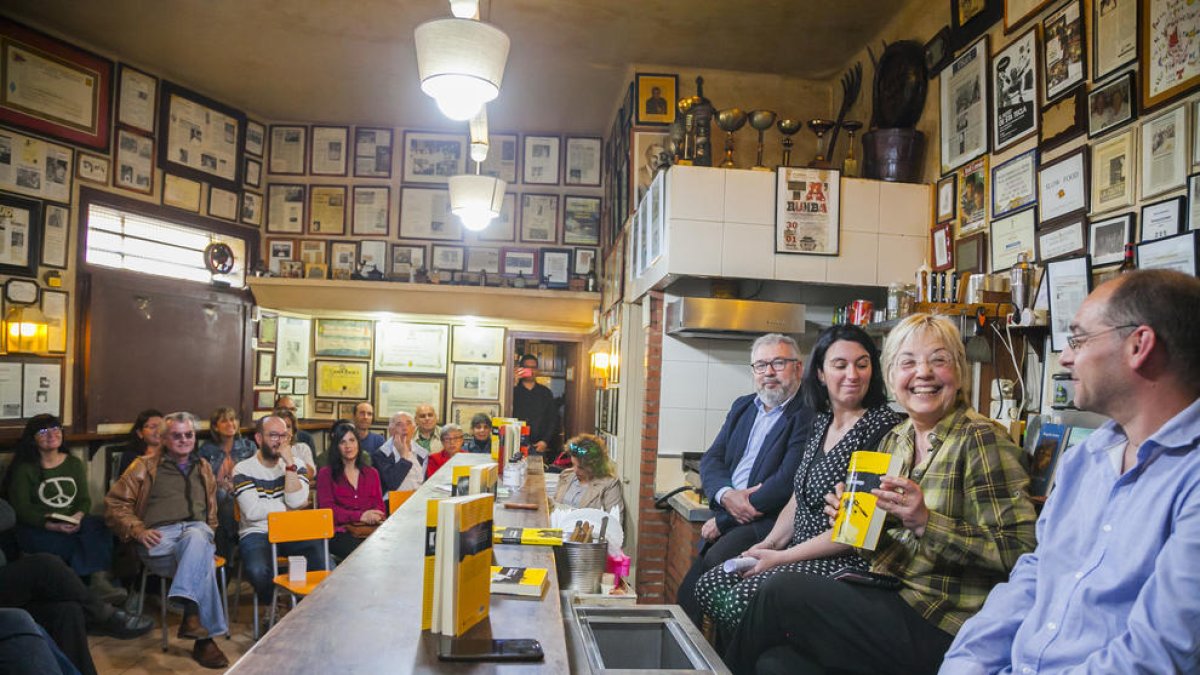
column 535, row 404
column 748, row 471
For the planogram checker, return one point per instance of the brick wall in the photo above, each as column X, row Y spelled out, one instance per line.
column 653, row 524
column 684, row 537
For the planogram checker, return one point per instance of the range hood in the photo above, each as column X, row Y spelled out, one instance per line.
column 732, row 319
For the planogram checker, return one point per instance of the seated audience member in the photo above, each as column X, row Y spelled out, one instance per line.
column 287, row 403
column 591, row 482
column 352, row 490
column 1112, row 586
column 959, row 517
column 168, row 504
column 302, row 451
column 400, row 461
column 429, row 435
column 368, row 441
column 27, row 649
column 48, row 488
column 452, row 442
column 145, row 438
column 480, row 441
column 747, row 473
column 223, row 451
column 843, row 384
column 270, row 481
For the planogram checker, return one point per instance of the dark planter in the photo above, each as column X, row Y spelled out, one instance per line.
column 893, row 155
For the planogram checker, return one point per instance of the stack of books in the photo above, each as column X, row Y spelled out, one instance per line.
column 474, row 480
column 458, row 559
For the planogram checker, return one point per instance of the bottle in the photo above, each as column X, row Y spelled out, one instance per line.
column 483, row 277
column 591, row 281
column 923, row 282
column 1127, row 265
column 893, row 299
column 519, row 282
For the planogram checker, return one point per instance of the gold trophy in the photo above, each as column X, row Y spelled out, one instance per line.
column 730, row 121
column 850, row 164
column 788, row 128
column 761, row 120
column 687, row 151
column 820, row 127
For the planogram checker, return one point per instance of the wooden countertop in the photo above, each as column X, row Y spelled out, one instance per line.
column 366, row 617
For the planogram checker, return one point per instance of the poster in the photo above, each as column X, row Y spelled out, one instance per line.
column 292, row 346
column 807, row 216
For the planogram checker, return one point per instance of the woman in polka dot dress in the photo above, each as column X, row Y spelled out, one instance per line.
column 843, row 383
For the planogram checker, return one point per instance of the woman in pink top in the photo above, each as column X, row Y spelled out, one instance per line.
column 351, row 489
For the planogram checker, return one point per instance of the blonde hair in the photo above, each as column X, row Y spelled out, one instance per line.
column 941, row 330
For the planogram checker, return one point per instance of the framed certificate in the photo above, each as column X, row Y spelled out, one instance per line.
column 343, row 337
column 1162, row 219
column 1014, row 184
column 476, row 381
column 1069, row 281
column 1061, row 241
column 478, row 344
column 395, row 394
column 1010, row 237
column 1170, row 253
column 201, row 139
column 341, row 379
column 1063, row 186
column 264, row 368
column 402, row 347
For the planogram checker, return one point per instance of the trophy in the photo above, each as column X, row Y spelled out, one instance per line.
column 820, row 127
column 687, row 150
column 850, row 164
column 702, row 114
column 675, row 143
column 761, row 120
column 788, row 128
column 730, row 121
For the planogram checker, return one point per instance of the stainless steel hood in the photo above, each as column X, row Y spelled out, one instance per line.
column 732, row 319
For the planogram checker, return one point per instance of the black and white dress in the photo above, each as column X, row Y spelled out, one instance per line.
column 725, row 596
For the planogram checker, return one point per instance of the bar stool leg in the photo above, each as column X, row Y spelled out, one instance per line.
column 225, row 604
column 162, row 585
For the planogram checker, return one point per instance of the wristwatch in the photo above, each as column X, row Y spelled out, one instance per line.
column 290, row 467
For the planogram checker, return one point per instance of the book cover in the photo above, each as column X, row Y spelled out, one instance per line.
column 859, row 522
column 430, row 589
column 473, row 561
column 537, row 536
column 1046, row 450
column 483, row 478
column 64, row 518
column 530, row 581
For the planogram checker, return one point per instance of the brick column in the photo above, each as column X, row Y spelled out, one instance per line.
column 653, row 528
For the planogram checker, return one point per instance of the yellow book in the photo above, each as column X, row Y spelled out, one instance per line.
column 460, row 478
column 537, row 536
column 483, row 478
column 859, row 521
column 529, row 581
column 430, row 592
column 470, row 591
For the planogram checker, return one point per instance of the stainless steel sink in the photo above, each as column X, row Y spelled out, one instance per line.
column 643, row 639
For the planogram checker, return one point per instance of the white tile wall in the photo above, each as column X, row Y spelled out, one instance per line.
column 856, row 261
column 747, row 251
column 750, row 197
column 700, row 379
column 908, row 210
column 696, row 193
column 686, row 386
column 860, row 205
column 694, row 246
column 681, row 429
column 791, row 267
column 896, row 253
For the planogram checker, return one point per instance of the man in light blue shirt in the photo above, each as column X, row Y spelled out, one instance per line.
column 1114, row 584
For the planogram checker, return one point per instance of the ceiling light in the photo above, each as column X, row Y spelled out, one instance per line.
column 475, row 199
column 479, row 136
column 464, row 9
column 461, row 64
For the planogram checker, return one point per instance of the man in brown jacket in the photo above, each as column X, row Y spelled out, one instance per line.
column 167, row 504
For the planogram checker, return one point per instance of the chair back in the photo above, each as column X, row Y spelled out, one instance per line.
column 396, row 498
column 301, row 525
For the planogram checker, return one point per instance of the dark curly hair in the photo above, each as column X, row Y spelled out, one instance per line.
column 814, row 392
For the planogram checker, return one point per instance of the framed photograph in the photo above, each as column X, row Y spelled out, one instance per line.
column 289, row 150
column 972, row 196
column 539, row 218
column 583, row 161
column 1169, row 253
column 519, row 261
column 556, row 266
column 327, row 210
column 181, row 193
column 461, row 413
column 452, row 258
column 1169, row 45
column 649, row 148
column 91, row 168
column 256, row 138
column 541, row 160
column 1063, row 49
column 501, row 160
column 581, row 220
column 432, row 157
column 1108, row 237
column 285, row 208
column 1164, row 151
column 1114, row 36
column 1111, row 105
column 1012, row 236
column 656, row 96
column 585, row 262
column 947, row 204
column 55, row 307
column 964, row 106
column 373, row 255
column 1193, row 200
column 371, row 204
column 138, row 94
column 938, row 52
column 1015, row 91
column 343, row 337
column 1063, row 120
column 324, row 407
column 291, row 269
column 343, row 259
column 252, row 208
column 201, row 139
column 341, row 379
column 1061, row 241
column 135, row 162
column 1113, row 172
column 54, row 88
column 807, row 211
column 294, row 346
column 407, row 259
column 395, row 394
column 253, row 173
column 476, row 381
column 264, row 399
column 1063, row 186
column 222, row 204
column 1070, row 281
column 1017, row 12
column 971, row 18
column 54, row 236
column 941, row 252
column 503, row 227
column 283, row 385
column 1162, row 219
column 478, row 344
column 402, row 347
column 1014, row 184
column 483, row 260
column 264, row 368
column 329, row 150
column 372, row 152
column 316, row 270
column 268, row 330
column 345, row 409
column 425, row 214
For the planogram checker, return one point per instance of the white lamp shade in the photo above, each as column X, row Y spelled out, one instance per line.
column 461, row 64
column 475, row 199
column 464, row 9
column 479, row 135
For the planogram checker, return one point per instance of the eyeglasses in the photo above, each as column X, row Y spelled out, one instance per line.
column 1078, row 340
column 935, row 362
column 277, row 435
column 776, row 365
column 182, row 435
column 453, row 438
column 47, row 431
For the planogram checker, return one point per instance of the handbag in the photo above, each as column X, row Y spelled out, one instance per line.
column 360, row 530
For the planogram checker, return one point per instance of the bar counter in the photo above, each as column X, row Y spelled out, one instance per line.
column 366, row 616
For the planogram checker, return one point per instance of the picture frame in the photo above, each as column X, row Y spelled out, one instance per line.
column 371, row 206
column 1178, row 252
column 1115, row 33
column 1063, row 185
column 283, row 386
column 137, row 98
column 941, row 250
column 286, row 211
column 453, row 258
column 339, row 379
column 256, row 138
column 1064, row 49
column 583, row 161
column 412, row 348
column 1114, row 170
column 540, row 160
column 343, row 259
column 181, row 193
column 1064, row 120
column 345, row 409
column 268, row 330
column 372, row 152
column 555, row 264
column 327, row 210
column 483, row 259
column 397, row 393
column 28, row 56
column 222, row 204
column 425, row 214
column 475, row 381
column 655, row 98
column 539, row 218
column 648, row 148
column 947, row 203
column 252, row 208
column 407, row 258
column 56, row 308
column 279, row 250
column 201, row 139
column 461, row 412
column 807, row 211
column 252, row 174
column 348, row 338
column 289, row 150
column 1014, row 113
column 970, row 254
column 1162, row 219
column 501, row 160
column 1167, row 51
column 504, row 226
column 973, row 184
column 1017, row 12
column 373, row 253
column 300, row 388
column 1107, row 239
column 264, row 400
column 518, row 261
column 938, row 52
column 585, row 261
column 55, row 240
column 91, row 168
column 1015, row 184
column 431, row 157
column 1193, row 200
column 964, row 105
column 971, row 18
column 293, row 346
column 1067, row 239
column 318, row 270
column 264, row 368
column 329, row 150
column 581, row 220
column 478, row 344
column 1011, row 236
column 134, row 162
column 1112, row 105
column 291, row 269
column 1165, row 145
column 1070, row 281
column 323, row 407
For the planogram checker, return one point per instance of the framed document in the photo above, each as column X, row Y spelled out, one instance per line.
column 289, row 148
column 1064, row 52
column 1063, row 120
column 402, row 347
column 35, row 167
column 285, row 208
column 1170, row 41
column 256, row 135
column 135, row 162
column 425, row 214
column 941, row 253
column 1164, row 151
column 268, row 330
column 1063, row 186
column 283, row 385
column 1162, row 219
column 483, row 259
column 451, row 258
column 807, row 211
column 1067, row 239
column 372, row 152
column 964, row 107
column 329, row 150
column 372, row 204
column 1170, row 253
column 972, row 196
column 655, row 98
column 947, row 205
column 1111, row 106
column 478, row 344
column 264, row 399
column 373, row 253
column 556, row 266
column 970, row 253
column 1108, row 237
column 503, row 227
column 501, row 160
column 343, row 337
column 137, row 98
column 519, row 262
column 541, row 160
column 343, row 259
column 327, row 210
column 433, row 158
column 462, row 412
column 314, row 251
column 583, row 161
column 1069, row 281
column 92, row 168
column 253, row 173
column 182, row 193
column 293, row 347
column 1114, row 35
column 395, row 394
column 539, row 218
column 252, row 208
column 341, row 379
column 279, row 251
column 201, row 139
column 323, row 408
column 407, row 259
column 222, row 204
column 1011, row 236
column 264, row 368
column 20, row 220
column 585, row 261
column 42, row 389
column 476, row 381
column 1014, row 184
column 54, row 236
column 1193, row 197
column 581, row 220
column 1015, row 91
column 1113, row 172
column 1017, row 12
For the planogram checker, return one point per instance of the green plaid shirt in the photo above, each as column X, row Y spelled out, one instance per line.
column 980, row 517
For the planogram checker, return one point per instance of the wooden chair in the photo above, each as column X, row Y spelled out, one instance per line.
column 396, row 498
column 218, row 561
column 302, row 525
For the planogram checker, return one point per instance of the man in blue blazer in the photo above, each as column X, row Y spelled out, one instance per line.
column 748, row 471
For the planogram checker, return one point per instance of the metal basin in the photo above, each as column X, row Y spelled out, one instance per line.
column 644, row 639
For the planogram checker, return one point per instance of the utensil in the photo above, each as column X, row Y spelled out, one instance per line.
column 979, row 350
column 603, row 528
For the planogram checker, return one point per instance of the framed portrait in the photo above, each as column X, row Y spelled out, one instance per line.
column 1015, row 91
column 583, row 161
column 395, row 394
column 343, row 259
column 135, row 162
column 425, row 214
column 433, row 157
column 1113, row 172
column 372, row 152
column 947, row 204
column 54, row 88
column 371, row 204
column 1014, row 184
column 289, row 150
column 807, row 211
column 585, row 262
column 20, row 222
column 252, row 174
column 1170, row 41
column 264, row 368
column 341, row 379
column 1111, row 105
column 201, row 139
column 402, row 347
column 136, row 99
column 268, row 330
column 648, row 150
column 256, row 138
column 1114, row 36
column 327, row 210
column 1108, row 236
column 1069, row 281
column 501, row 160
column 222, row 204
column 1064, row 240
column 1064, row 51
column 963, row 105
column 1169, row 253
column 972, row 196
column 313, row 251
column 539, row 218
column 476, row 381
column 504, row 226
column 541, row 159
column 1063, row 120
column 971, row 18
column 1162, row 219
column 483, row 259
column 518, row 261
column 556, row 266
column 1164, row 151
column 938, row 52
column 343, row 337
column 462, row 412
column 285, row 208
column 252, row 208
column 941, row 251
column 327, row 156
column 1011, row 236
column 478, row 344
column 181, row 193
column 1193, row 196
column 294, row 346
column 55, row 241
column 407, row 259
column 655, row 98
column 1063, row 186
column 91, row 168
column 448, row 258
column 1017, row 12
column 581, row 220
column 373, row 254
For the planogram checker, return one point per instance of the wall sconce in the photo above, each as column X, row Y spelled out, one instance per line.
column 26, row 330
column 602, row 361
column 461, row 64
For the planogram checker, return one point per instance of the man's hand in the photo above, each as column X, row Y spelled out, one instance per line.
column 286, row 454
column 709, row 530
column 737, row 503
column 149, row 538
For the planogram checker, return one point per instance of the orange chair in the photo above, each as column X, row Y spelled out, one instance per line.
column 289, row 526
column 396, row 498
column 218, row 563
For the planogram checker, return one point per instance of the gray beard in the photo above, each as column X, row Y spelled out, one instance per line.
column 773, row 397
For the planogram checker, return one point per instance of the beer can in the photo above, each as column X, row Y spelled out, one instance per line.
column 860, row 312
